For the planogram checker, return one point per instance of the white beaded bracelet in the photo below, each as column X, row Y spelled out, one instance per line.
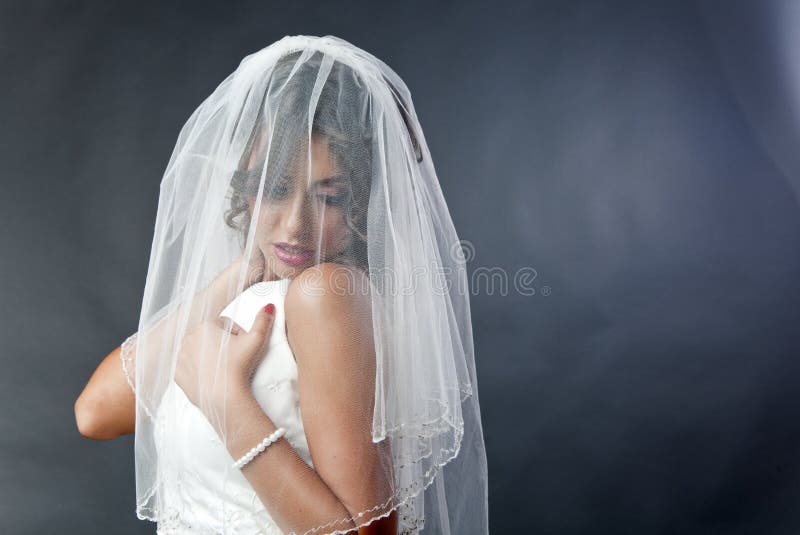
column 250, row 455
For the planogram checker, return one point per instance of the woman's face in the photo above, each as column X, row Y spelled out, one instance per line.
column 301, row 218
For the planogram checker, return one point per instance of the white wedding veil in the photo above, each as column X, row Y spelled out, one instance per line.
column 287, row 111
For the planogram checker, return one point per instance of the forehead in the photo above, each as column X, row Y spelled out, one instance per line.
column 322, row 160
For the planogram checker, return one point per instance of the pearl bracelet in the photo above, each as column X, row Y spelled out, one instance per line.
column 250, row 455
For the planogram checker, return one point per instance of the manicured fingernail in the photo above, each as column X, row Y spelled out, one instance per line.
column 269, row 309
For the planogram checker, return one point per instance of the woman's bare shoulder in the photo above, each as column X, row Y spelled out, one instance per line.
column 328, row 299
column 328, row 285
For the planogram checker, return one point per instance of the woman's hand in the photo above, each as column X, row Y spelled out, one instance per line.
column 209, row 386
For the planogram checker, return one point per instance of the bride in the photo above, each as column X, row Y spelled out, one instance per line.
column 304, row 360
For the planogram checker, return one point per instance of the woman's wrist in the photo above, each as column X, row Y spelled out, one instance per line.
column 246, row 424
column 231, row 406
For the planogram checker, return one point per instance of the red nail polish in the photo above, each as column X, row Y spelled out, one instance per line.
column 269, row 309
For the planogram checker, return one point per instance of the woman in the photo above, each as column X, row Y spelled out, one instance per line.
column 307, row 366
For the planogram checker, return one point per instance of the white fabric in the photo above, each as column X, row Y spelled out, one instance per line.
column 215, row 499
column 247, row 304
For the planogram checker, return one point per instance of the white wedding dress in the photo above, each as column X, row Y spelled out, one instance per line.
column 195, row 448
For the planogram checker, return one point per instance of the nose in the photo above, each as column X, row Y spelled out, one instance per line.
column 299, row 217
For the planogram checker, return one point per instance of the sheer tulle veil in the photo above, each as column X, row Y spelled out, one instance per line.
column 287, row 111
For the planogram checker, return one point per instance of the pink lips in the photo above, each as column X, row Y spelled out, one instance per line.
column 293, row 256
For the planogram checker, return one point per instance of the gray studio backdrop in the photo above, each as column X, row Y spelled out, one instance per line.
column 626, row 177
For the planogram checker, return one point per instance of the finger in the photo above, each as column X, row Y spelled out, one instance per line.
column 262, row 326
column 228, row 324
column 259, row 334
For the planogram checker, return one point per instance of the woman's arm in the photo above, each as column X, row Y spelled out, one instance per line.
column 331, row 337
column 106, row 407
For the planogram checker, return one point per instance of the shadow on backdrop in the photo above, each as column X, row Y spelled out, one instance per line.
column 638, row 158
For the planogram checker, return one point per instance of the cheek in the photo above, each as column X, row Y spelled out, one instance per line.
column 267, row 221
column 335, row 230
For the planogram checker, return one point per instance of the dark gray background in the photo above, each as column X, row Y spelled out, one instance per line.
column 641, row 157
